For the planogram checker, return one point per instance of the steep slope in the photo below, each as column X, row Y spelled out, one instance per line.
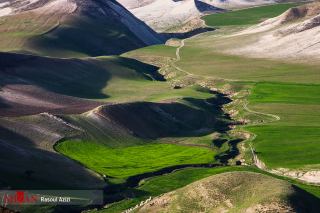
column 184, row 15
column 72, row 28
column 235, row 192
column 294, row 35
column 157, row 120
column 34, row 84
column 30, row 139
column 28, row 157
column 169, row 15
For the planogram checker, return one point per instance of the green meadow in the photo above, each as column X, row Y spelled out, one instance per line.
column 284, row 88
column 247, row 16
column 128, row 161
column 292, row 142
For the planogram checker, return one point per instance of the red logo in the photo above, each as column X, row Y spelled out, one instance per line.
column 19, row 197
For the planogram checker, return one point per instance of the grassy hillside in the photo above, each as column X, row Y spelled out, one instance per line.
column 162, row 184
column 234, row 191
column 77, row 34
column 64, row 84
column 141, row 137
column 74, row 38
column 284, row 88
column 296, row 104
column 246, row 16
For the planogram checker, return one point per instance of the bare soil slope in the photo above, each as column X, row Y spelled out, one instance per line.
column 184, row 15
column 294, row 35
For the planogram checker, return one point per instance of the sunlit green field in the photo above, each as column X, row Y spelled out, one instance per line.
column 133, row 160
column 293, row 141
column 247, row 16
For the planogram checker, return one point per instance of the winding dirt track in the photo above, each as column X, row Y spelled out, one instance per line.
column 178, row 58
column 245, row 107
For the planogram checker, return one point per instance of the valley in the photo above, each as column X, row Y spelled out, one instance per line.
column 211, row 122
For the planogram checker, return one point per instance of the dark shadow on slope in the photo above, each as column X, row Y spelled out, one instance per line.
column 147, row 70
column 3, row 103
column 219, row 142
column 24, row 166
column 204, row 8
column 157, row 120
column 62, row 83
column 188, row 34
column 86, row 37
column 231, row 153
column 95, row 29
column 207, row 8
column 71, row 77
column 303, row 202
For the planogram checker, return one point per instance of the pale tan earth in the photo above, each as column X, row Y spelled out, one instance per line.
column 163, row 15
column 311, row 176
column 55, row 6
column 294, row 35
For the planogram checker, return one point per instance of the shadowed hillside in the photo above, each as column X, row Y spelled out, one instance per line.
column 32, row 84
column 64, row 28
column 25, row 142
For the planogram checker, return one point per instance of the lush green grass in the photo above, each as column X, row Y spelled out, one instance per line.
column 129, row 161
column 16, row 31
column 287, row 146
column 155, row 50
column 294, row 140
column 285, row 93
column 290, row 142
column 208, row 62
column 247, row 16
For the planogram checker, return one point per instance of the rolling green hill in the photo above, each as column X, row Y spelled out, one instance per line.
column 234, row 191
